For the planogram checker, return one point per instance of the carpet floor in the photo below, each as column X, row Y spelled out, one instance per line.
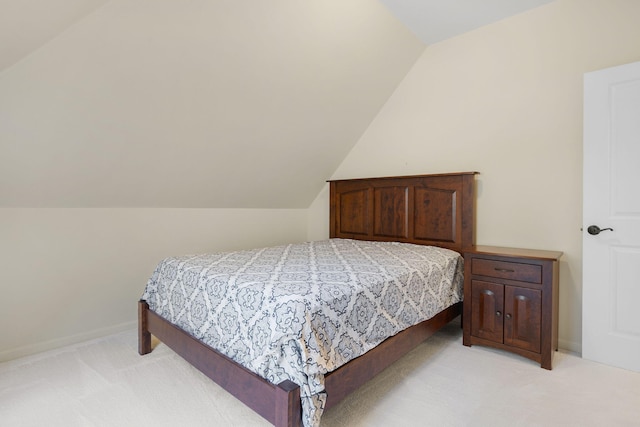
column 441, row 383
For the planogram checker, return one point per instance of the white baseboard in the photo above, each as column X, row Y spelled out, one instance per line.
column 572, row 346
column 63, row 342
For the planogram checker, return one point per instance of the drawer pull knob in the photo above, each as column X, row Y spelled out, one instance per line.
column 504, row 270
column 508, row 316
column 498, row 314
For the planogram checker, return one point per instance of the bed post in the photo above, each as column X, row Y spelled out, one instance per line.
column 144, row 337
column 288, row 411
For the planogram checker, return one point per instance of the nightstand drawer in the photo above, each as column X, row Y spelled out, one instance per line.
column 507, row 270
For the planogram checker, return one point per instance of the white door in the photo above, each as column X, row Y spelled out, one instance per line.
column 611, row 259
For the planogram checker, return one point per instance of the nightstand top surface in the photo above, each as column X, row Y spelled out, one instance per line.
column 515, row 252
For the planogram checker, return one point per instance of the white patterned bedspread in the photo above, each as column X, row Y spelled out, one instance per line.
column 299, row 311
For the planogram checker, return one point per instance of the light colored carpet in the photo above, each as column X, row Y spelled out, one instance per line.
column 441, row 383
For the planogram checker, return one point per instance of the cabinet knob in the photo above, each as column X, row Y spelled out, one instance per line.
column 508, row 316
column 498, row 313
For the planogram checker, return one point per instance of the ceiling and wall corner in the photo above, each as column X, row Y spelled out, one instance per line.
column 212, row 104
column 433, row 21
column 27, row 25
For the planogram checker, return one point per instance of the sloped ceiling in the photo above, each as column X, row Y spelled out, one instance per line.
column 199, row 103
column 26, row 25
column 436, row 20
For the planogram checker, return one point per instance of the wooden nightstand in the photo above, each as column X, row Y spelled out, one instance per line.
column 511, row 301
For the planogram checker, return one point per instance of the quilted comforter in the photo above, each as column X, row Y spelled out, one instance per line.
column 299, row 311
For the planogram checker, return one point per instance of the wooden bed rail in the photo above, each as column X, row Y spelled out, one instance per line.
column 348, row 378
column 278, row 404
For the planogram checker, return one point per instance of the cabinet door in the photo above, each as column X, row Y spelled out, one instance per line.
column 487, row 310
column 523, row 317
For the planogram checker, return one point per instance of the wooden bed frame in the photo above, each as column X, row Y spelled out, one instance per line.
column 434, row 210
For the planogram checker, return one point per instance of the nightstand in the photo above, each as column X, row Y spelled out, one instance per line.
column 511, row 301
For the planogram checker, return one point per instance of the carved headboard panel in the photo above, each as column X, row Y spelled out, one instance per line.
column 436, row 210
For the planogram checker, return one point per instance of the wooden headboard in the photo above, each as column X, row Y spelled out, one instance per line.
column 436, row 210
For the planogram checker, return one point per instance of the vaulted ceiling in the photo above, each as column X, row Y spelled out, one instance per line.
column 436, row 20
column 200, row 103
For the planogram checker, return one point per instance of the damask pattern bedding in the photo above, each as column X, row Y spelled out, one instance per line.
column 299, row 311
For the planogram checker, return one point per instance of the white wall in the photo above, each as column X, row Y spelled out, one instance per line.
column 506, row 100
column 72, row 274
column 169, row 104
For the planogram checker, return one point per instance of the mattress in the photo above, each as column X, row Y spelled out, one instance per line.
column 298, row 311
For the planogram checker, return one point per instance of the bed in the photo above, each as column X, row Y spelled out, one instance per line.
column 369, row 218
